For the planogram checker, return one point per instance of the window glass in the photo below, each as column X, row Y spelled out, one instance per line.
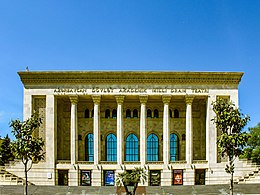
column 107, row 113
column 89, row 144
column 131, row 148
column 111, row 147
column 156, row 113
column 128, row 113
column 174, row 144
column 149, row 113
column 152, row 147
column 114, row 113
column 87, row 113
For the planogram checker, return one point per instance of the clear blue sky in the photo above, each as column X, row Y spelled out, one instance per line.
column 174, row 35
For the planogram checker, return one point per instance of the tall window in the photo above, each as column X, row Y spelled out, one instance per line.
column 149, row 113
column 170, row 113
column 87, row 113
column 135, row 113
column 111, row 147
column 156, row 113
column 176, row 113
column 92, row 113
column 114, row 113
column 152, row 147
column 107, row 113
column 174, row 147
column 128, row 113
column 131, row 153
column 89, row 147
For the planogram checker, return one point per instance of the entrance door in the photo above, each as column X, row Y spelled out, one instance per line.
column 199, row 176
column 62, row 177
column 155, row 178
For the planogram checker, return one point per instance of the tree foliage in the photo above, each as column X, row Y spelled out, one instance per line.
column 131, row 178
column 252, row 151
column 6, row 151
column 26, row 146
column 230, row 122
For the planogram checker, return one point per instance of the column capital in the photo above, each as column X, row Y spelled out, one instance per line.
column 96, row 98
column 120, row 99
column 143, row 98
column 166, row 99
column 189, row 99
column 74, row 99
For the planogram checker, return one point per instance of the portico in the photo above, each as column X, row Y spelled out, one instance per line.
column 102, row 123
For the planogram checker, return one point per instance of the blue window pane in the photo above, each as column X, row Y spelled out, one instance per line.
column 111, row 145
column 152, row 148
column 131, row 148
column 89, row 144
column 174, row 147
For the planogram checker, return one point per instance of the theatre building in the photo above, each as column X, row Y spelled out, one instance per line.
column 96, row 124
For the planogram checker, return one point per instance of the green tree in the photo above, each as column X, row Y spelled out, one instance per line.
column 6, row 151
column 230, row 122
column 252, row 151
column 26, row 146
column 131, row 178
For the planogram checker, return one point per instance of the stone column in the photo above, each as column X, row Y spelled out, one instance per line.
column 211, row 132
column 96, row 128
column 167, row 171
column 189, row 133
column 96, row 173
column 143, row 131
column 120, row 131
column 73, row 130
column 73, row 172
column 166, row 133
column 51, row 136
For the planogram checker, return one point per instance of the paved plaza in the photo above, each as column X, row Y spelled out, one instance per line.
column 241, row 189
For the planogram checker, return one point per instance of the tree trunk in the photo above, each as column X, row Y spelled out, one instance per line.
column 231, row 175
column 135, row 187
column 126, row 189
column 231, row 184
column 25, row 191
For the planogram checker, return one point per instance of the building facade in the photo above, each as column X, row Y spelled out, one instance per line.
column 100, row 123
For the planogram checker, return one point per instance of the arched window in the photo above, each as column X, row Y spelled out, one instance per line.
column 114, row 113
column 149, row 113
column 87, row 113
column 176, row 113
column 128, row 113
column 135, row 113
column 89, row 147
column 152, row 147
column 174, row 147
column 111, row 147
column 170, row 113
column 107, row 113
column 131, row 148
column 156, row 113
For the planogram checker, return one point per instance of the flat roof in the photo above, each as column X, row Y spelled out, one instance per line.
column 34, row 78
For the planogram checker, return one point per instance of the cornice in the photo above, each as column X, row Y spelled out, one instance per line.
column 129, row 77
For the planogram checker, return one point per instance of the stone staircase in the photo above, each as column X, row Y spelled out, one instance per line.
column 7, row 178
column 251, row 176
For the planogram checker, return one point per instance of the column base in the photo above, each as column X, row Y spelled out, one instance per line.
column 166, row 176
column 74, row 176
column 97, row 175
column 189, row 175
